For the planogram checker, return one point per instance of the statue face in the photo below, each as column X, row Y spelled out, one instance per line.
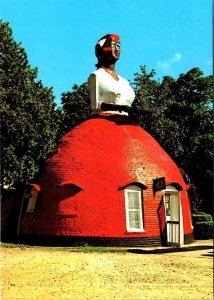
column 115, row 45
column 107, row 49
column 112, row 48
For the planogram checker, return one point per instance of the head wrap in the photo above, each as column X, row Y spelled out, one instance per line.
column 103, row 46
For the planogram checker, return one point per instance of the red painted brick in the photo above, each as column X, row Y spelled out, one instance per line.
column 79, row 186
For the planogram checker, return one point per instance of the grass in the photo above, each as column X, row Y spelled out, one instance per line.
column 84, row 249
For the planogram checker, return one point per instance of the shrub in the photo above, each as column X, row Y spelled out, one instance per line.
column 203, row 226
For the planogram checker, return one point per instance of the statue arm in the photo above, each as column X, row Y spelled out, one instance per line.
column 94, row 95
column 114, row 107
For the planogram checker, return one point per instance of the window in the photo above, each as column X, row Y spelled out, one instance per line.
column 33, row 197
column 171, row 202
column 134, row 216
column 167, row 203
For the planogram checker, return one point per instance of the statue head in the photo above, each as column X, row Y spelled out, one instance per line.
column 107, row 49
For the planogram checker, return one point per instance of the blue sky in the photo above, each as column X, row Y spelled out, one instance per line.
column 170, row 36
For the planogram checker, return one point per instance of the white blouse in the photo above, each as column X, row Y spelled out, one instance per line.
column 104, row 88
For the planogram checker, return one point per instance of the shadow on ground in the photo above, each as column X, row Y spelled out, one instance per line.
column 173, row 250
column 210, row 254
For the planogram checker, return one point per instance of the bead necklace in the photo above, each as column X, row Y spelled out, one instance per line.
column 107, row 70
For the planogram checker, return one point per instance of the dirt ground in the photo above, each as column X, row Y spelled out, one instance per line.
column 49, row 273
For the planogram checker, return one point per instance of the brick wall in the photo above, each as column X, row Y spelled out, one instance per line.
column 80, row 186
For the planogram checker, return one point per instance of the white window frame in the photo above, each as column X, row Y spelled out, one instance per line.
column 138, row 190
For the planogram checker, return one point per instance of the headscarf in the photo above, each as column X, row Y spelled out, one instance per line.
column 103, row 46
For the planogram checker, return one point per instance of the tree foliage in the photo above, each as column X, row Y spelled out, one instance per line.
column 76, row 106
column 28, row 118
column 182, row 123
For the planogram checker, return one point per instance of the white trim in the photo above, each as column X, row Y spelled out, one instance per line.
column 181, row 223
column 138, row 190
column 170, row 188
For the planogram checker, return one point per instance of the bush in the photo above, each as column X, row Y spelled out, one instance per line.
column 203, row 226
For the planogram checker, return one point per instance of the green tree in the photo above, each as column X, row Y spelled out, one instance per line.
column 29, row 127
column 193, row 101
column 151, row 93
column 76, row 106
column 182, row 123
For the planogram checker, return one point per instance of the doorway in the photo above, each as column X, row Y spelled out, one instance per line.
column 174, row 216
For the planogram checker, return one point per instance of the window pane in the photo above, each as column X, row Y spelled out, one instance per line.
column 167, row 203
column 134, row 219
column 137, row 224
column 133, row 215
column 32, row 201
column 131, row 224
column 133, row 198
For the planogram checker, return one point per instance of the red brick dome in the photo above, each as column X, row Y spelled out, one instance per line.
column 82, row 185
column 102, row 152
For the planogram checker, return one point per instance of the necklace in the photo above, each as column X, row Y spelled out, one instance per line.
column 114, row 76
